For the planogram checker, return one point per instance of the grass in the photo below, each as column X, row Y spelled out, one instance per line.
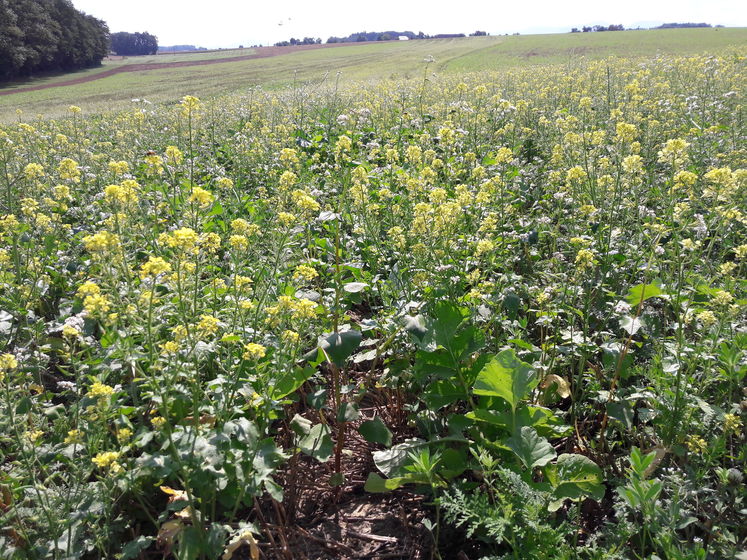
column 355, row 62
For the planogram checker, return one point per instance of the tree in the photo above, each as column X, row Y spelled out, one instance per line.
column 134, row 44
column 43, row 35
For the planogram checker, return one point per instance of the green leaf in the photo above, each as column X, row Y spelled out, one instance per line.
column 133, row 548
column 289, row 382
column 300, row 425
column 574, row 477
column 355, row 287
column 642, row 292
column 453, row 462
column 318, row 444
column 189, row 543
column 631, row 324
column 337, row 479
column 392, row 460
column 23, row 406
column 442, row 393
column 348, row 412
column 375, row 431
column 338, row 347
column 447, row 319
column 230, row 338
column 274, row 489
column 376, row 484
column 541, row 419
column 530, row 448
column 507, row 377
column 318, row 398
column 415, row 325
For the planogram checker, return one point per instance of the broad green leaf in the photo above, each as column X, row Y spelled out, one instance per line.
column 453, row 462
column 318, row 443
column 530, row 448
column 189, row 543
column 348, row 412
column 631, row 324
column 541, row 419
column 375, row 431
column 377, row 484
column 511, row 303
column 391, row 461
column 415, row 325
column 133, row 548
column 338, row 347
column 23, row 406
column 274, row 489
column 442, row 393
column 642, row 292
column 507, row 377
column 574, row 477
column 300, row 425
column 447, row 318
column 290, row 381
column 355, row 287
column 337, row 479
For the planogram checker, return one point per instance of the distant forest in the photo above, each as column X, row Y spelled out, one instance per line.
column 365, row 36
column 619, row 27
column 44, row 35
column 179, row 48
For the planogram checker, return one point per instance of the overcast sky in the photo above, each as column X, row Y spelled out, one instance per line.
column 229, row 23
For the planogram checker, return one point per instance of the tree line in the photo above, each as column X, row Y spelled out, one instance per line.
column 619, row 27
column 44, row 35
column 590, row 28
column 294, row 41
column 134, row 44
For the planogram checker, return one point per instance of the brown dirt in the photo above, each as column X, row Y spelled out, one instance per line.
column 262, row 52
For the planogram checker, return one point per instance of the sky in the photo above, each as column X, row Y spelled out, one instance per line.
column 230, row 23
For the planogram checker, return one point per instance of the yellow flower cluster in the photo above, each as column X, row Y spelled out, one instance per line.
column 254, row 351
column 124, row 194
column 154, row 267
column 101, row 242
column 584, row 259
column 190, row 105
column 68, row 331
column 119, row 167
column 305, row 203
column 184, row 239
column 108, row 460
column 8, row 363
column 100, row 391
column 305, row 272
column 201, row 197
column 33, row 171
column 97, row 304
column 208, row 325
column 732, row 423
column 68, row 169
column 174, row 156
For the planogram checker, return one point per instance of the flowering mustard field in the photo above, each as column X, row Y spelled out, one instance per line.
column 517, row 299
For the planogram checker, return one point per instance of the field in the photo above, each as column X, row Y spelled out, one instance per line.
column 371, row 61
column 487, row 305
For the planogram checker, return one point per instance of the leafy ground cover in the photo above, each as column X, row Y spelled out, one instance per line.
column 489, row 315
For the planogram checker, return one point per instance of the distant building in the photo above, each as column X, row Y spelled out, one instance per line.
column 403, row 38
